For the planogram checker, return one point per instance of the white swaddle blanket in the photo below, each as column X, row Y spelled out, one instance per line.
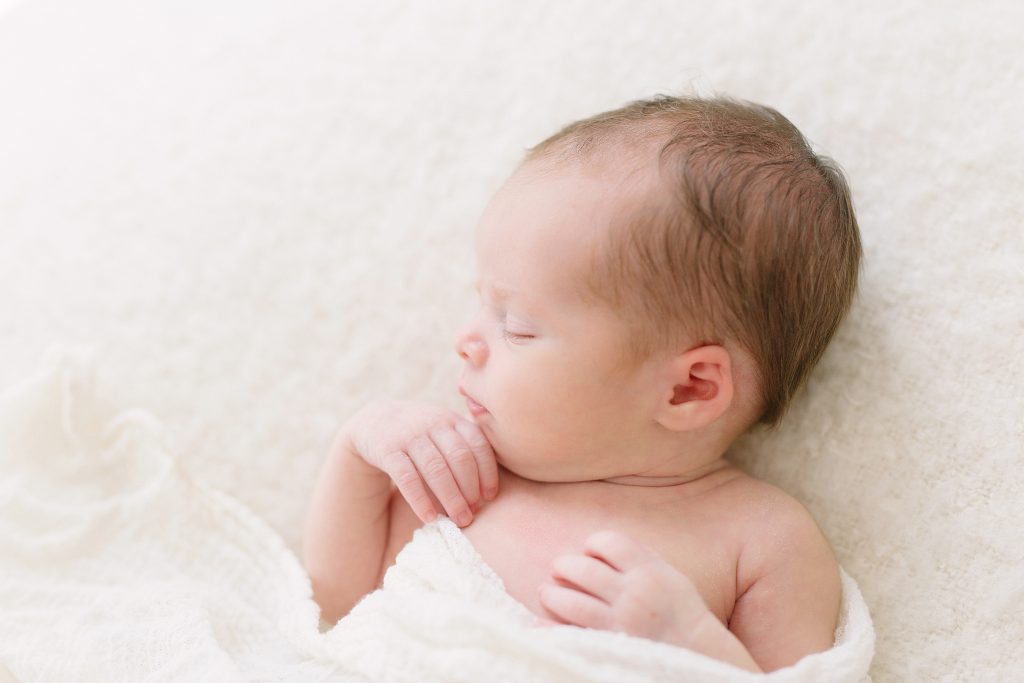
column 115, row 565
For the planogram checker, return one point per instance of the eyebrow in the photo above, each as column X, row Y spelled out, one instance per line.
column 533, row 309
column 503, row 294
column 500, row 293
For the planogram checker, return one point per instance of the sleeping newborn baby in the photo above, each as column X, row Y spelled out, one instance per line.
column 655, row 281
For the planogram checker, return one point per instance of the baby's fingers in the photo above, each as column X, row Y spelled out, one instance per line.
column 486, row 463
column 575, row 607
column 434, row 469
column 461, row 462
column 403, row 472
column 589, row 574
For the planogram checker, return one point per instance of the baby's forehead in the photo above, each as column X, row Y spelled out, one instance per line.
column 566, row 200
column 549, row 224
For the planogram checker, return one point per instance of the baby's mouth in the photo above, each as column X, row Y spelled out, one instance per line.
column 475, row 408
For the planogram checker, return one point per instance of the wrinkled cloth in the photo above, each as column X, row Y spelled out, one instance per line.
column 116, row 565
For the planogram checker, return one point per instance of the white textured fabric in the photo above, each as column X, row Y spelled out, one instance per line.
column 443, row 610
column 115, row 565
column 259, row 215
column 157, row 577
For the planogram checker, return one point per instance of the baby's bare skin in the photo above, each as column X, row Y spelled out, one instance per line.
column 614, row 477
column 530, row 523
column 702, row 528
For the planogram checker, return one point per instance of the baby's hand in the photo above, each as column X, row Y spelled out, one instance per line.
column 430, row 452
column 618, row 584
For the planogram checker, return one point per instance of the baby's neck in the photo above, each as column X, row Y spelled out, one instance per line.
column 669, row 480
column 625, row 487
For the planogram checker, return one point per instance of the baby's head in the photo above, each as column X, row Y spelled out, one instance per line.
column 656, row 280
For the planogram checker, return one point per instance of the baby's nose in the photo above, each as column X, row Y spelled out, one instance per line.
column 470, row 348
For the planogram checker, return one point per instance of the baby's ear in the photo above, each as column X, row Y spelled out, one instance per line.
column 697, row 388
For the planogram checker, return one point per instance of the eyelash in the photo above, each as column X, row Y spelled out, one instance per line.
column 512, row 337
column 509, row 336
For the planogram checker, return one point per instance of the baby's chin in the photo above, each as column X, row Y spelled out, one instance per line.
column 541, row 470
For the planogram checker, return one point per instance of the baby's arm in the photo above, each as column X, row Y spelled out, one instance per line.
column 346, row 530
column 439, row 461
column 791, row 590
column 789, row 603
column 619, row 584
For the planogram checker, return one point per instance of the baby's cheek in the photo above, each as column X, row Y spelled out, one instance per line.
column 540, row 413
column 552, row 395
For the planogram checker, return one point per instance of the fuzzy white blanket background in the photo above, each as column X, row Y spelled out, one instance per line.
column 259, row 216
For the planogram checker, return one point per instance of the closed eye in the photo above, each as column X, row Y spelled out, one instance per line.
column 513, row 337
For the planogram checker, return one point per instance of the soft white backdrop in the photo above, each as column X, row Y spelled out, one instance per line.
column 259, row 215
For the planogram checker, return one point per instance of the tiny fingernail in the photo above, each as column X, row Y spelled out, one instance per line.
column 490, row 493
column 463, row 518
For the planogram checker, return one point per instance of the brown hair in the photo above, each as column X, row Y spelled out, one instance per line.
column 749, row 235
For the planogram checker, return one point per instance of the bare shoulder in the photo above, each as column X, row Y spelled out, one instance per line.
column 779, row 530
column 788, row 583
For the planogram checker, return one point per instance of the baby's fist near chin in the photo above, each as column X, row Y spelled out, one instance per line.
column 618, row 584
column 438, row 460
